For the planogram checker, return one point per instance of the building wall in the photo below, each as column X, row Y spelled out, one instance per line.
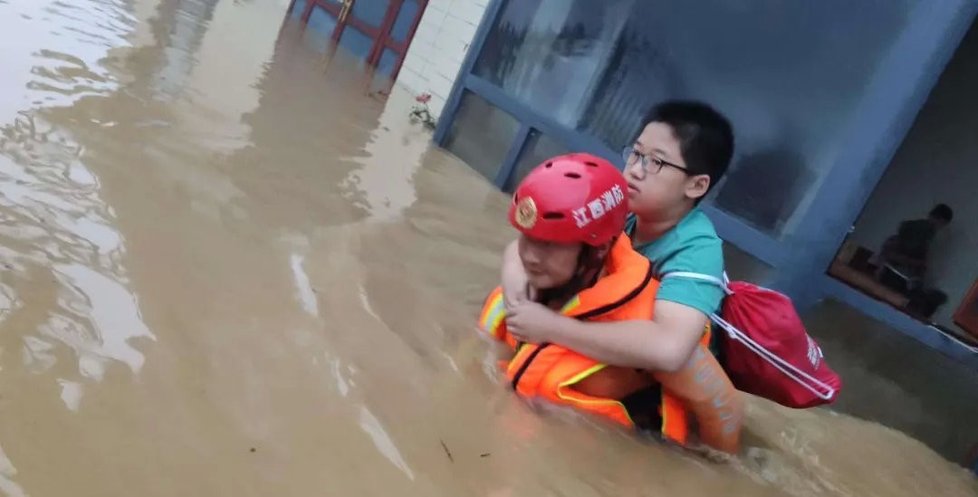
column 439, row 47
column 892, row 379
column 937, row 162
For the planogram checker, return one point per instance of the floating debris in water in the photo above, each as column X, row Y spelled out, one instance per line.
column 447, row 452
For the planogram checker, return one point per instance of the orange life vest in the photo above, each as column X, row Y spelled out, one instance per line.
column 626, row 291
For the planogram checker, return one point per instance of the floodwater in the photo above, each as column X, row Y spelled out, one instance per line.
column 232, row 268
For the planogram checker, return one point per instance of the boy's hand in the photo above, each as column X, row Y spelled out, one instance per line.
column 520, row 294
column 515, row 292
column 531, row 322
column 514, row 280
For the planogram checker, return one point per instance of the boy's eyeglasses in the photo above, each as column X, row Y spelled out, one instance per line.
column 650, row 165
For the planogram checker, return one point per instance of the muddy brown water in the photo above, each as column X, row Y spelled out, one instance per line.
column 231, row 268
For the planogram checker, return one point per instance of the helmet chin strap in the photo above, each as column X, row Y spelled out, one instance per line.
column 590, row 263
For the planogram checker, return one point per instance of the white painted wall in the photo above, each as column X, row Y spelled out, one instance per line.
column 439, row 47
column 938, row 162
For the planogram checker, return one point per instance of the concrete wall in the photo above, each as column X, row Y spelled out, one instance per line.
column 892, row 379
column 938, row 162
column 439, row 47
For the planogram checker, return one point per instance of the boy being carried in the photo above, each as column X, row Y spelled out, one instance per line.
column 683, row 150
column 582, row 268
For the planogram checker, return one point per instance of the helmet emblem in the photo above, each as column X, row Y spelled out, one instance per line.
column 526, row 213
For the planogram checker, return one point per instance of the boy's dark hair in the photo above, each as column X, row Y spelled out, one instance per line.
column 705, row 136
column 942, row 212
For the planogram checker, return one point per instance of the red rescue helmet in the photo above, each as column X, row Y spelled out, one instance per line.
column 571, row 198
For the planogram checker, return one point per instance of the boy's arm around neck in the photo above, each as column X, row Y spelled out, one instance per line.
column 664, row 343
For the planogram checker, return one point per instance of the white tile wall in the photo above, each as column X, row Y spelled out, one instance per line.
column 439, row 47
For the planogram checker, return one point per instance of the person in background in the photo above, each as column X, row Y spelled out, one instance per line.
column 903, row 261
column 907, row 250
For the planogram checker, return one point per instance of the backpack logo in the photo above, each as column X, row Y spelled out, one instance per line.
column 814, row 353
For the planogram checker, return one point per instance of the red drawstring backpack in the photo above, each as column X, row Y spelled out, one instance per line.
column 769, row 353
